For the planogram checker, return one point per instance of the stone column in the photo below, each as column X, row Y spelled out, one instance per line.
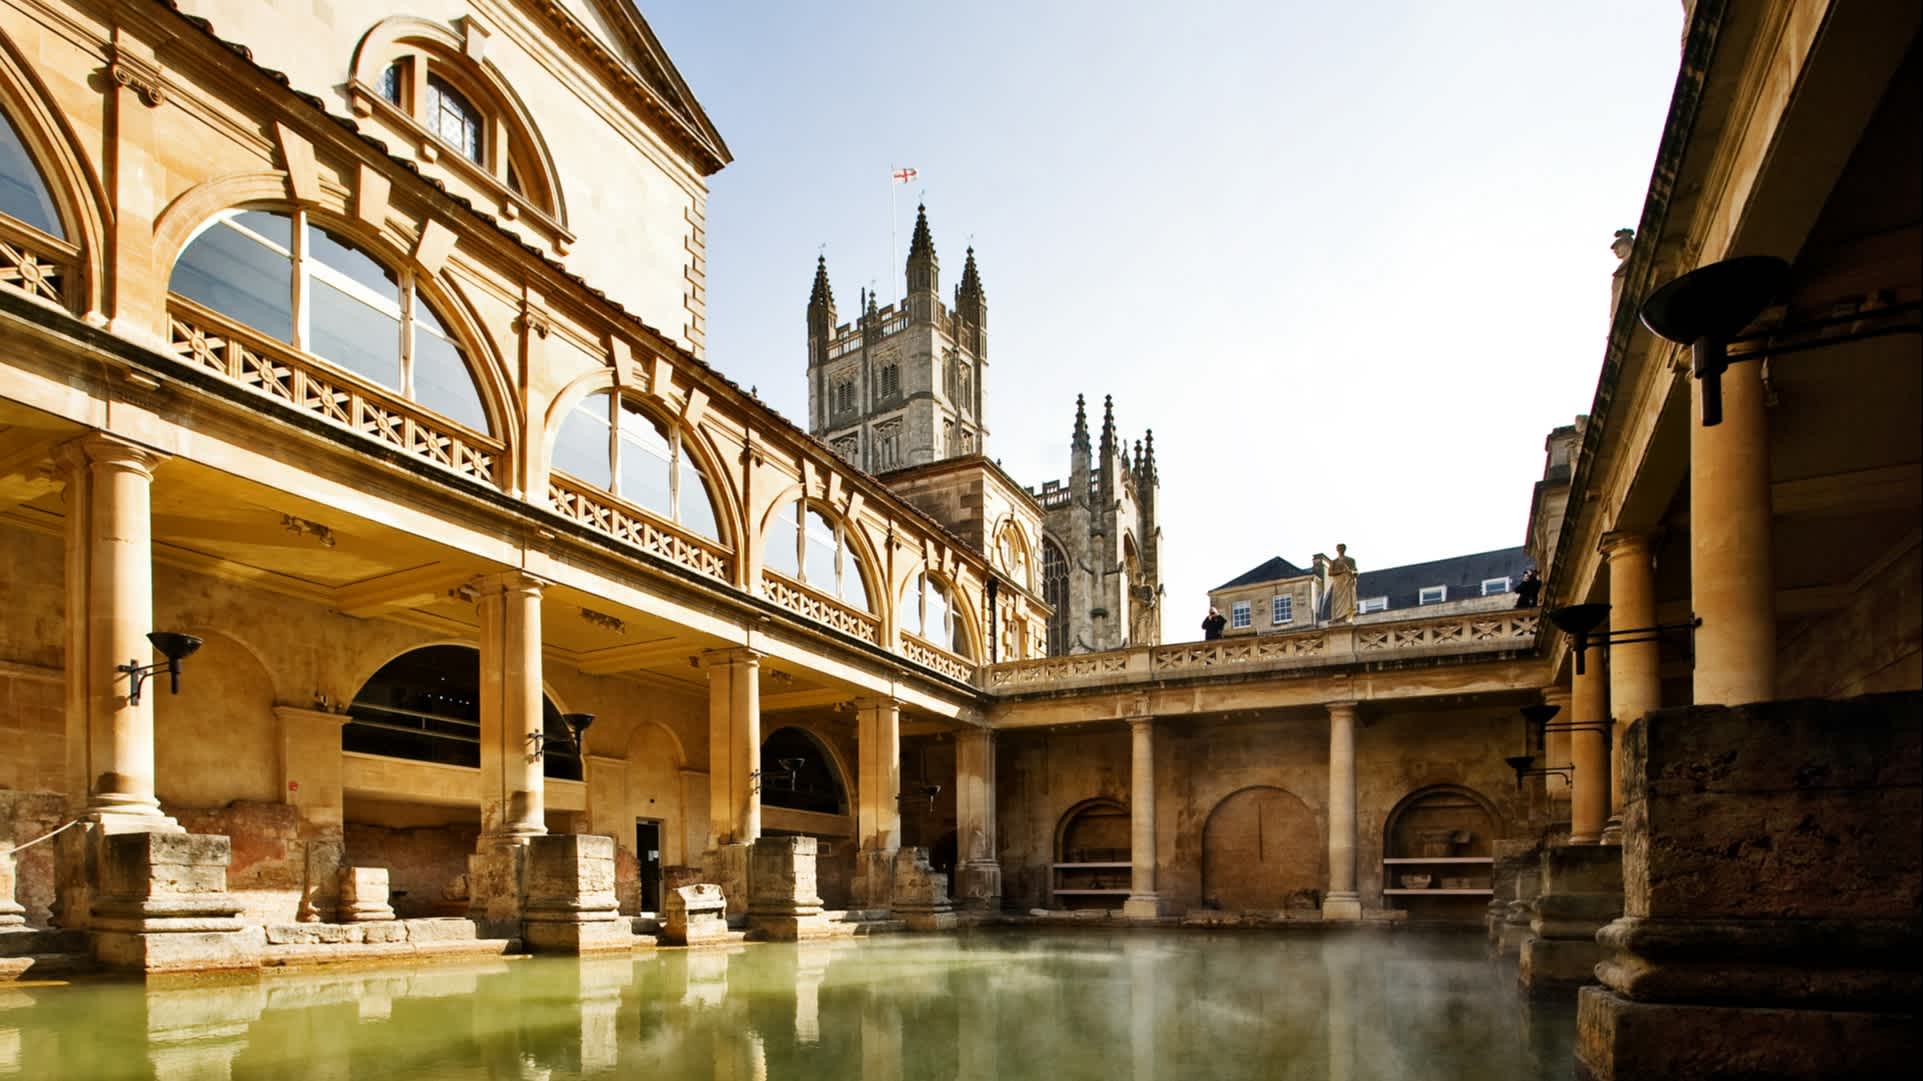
column 1589, row 791
column 1342, row 901
column 1635, row 685
column 1732, row 582
column 1555, row 752
column 110, row 603
column 978, row 871
column 734, row 754
column 734, row 746
column 878, row 812
column 1142, row 903
column 513, row 799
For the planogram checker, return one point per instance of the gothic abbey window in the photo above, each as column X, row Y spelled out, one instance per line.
column 848, row 449
column 960, row 383
column 888, row 380
column 806, row 545
column 613, row 443
column 1055, row 593
column 297, row 281
column 928, row 613
column 842, row 396
column 887, row 444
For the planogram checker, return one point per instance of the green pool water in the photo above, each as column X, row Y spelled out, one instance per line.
column 1106, row 1006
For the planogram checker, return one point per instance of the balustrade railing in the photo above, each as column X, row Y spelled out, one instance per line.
column 601, row 512
column 1476, row 632
column 929, row 655
column 284, row 374
column 811, row 604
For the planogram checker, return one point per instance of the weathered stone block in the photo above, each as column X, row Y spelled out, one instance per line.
column 496, row 880
column 1621, row 1040
column 694, row 914
column 727, row 867
column 921, row 892
column 363, row 895
column 321, row 879
column 12, row 912
column 443, row 929
column 785, row 905
column 571, row 903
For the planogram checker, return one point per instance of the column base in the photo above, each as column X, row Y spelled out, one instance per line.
column 1345, row 907
column 497, row 886
column 874, row 881
column 1613, row 832
column 1557, row 964
column 1142, row 906
column 978, row 885
column 1621, row 1040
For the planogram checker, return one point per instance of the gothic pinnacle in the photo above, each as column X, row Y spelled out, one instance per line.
column 1108, row 424
column 1080, row 438
column 971, row 281
column 922, row 243
column 822, row 294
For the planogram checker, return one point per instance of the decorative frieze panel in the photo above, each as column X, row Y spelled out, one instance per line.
column 805, row 602
column 1071, row 668
column 275, row 371
column 932, row 656
column 600, row 512
column 1470, row 633
column 1236, row 653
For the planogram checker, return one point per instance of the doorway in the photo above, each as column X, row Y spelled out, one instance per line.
column 647, row 846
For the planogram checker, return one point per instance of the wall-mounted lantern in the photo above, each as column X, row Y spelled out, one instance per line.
column 1705, row 308
column 174, row 647
column 1579, row 621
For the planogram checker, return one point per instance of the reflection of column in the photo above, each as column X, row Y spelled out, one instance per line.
column 602, row 982
column 1555, row 754
column 1635, row 685
column 1342, row 901
column 110, row 605
column 1339, row 960
column 513, row 799
column 978, row 873
column 1142, row 904
column 1589, row 794
column 734, row 746
column 879, row 745
column 1142, row 982
column 880, row 1039
column 1732, row 584
column 811, row 968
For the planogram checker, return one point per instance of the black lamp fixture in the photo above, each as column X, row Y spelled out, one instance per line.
column 925, row 791
column 174, row 647
column 784, row 778
column 1579, row 621
column 1535, row 723
column 1706, row 307
column 576, row 725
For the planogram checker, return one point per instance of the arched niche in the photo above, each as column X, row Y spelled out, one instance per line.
column 1093, row 831
column 425, row 706
column 1443, row 820
column 1262, row 849
column 799, row 772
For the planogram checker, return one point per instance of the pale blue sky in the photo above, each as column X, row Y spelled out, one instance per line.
column 1350, row 261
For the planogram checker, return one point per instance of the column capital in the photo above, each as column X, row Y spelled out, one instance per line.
column 1556, row 696
column 101, row 449
column 509, row 582
column 1141, row 721
column 740, row 657
column 876, row 701
column 1342, row 710
column 1621, row 544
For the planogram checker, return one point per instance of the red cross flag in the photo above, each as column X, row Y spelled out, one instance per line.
column 903, row 176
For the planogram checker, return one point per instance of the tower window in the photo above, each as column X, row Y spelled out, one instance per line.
column 1055, row 592
column 888, row 381
column 844, row 396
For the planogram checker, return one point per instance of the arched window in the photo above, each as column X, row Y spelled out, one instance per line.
column 425, row 705
column 1055, row 592
column 314, row 289
column 455, row 120
column 610, row 442
column 806, row 545
column 1011, row 550
column 928, row 612
column 24, row 195
column 797, row 773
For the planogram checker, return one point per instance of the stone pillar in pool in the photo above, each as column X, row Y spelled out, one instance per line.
column 1732, row 584
column 1635, row 685
column 784, row 904
column 512, row 791
column 1342, row 902
column 571, row 907
column 1580, row 890
column 978, row 873
column 734, row 756
column 878, row 814
column 1796, row 959
column 1589, row 790
column 1143, row 902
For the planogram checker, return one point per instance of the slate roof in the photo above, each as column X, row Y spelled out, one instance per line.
column 1463, row 575
column 1274, row 569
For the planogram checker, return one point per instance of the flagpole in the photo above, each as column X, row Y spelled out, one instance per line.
column 894, row 242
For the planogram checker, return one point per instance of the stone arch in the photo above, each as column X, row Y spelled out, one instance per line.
column 396, row 35
column 436, row 731
column 193, row 211
column 1098, row 827
column 720, row 489
column 1262, row 849
column 76, row 190
column 1440, row 809
column 967, row 608
column 880, row 603
column 834, row 772
column 217, row 741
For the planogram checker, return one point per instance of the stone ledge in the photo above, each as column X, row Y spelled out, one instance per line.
column 1620, row 1040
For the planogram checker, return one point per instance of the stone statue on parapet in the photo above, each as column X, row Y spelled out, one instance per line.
column 1341, row 584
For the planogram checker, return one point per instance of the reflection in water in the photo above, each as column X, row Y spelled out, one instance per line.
column 1138, row 1005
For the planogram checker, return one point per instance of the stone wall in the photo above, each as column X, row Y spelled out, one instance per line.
column 1873, row 644
column 426, row 866
column 268, row 865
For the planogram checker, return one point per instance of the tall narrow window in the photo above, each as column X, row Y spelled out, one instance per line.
column 454, row 120
column 391, row 82
column 612, row 443
column 1055, row 592
column 316, row 290
column 23, row 191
